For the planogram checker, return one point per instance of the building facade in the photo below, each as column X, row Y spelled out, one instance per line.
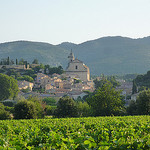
column 78, row 68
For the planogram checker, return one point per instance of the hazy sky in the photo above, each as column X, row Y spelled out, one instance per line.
column 56, row 21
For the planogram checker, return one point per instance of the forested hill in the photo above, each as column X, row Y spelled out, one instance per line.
column 114, row 55
column 107, row 55
column 44, row 52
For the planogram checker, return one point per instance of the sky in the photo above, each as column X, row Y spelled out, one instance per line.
column 76, row 21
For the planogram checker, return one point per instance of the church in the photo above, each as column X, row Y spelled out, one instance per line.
column 77, row 67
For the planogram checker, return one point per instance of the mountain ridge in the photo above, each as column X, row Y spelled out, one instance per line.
column 107, row 55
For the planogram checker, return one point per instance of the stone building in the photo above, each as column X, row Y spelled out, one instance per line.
column 78, row 68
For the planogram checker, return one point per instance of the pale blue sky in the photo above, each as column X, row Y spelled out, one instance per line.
column 56, row 21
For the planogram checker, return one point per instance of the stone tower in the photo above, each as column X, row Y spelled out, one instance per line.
column 77, row 67
column 71, row 57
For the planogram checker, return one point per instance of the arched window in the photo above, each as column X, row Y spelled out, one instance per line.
column 76, row 67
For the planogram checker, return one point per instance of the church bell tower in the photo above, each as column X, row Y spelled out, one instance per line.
column 71, row 56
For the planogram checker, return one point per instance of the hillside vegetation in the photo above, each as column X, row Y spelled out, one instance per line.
column 108, row 55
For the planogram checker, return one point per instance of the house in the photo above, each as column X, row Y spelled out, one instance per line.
column 25, row 85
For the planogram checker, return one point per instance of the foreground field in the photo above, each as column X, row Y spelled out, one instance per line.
column 76, row 133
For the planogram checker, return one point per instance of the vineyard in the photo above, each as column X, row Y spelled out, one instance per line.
column 129, row 132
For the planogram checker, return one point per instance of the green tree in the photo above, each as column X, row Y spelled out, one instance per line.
column 35, row 61
column 143, row 103
column 25, row 110
column 66, row 107
column 26, row 78
column 132, row 108
column 83, row 109
column 3, row 113
column 9, row 87
column 106, row 101
column 134, row 88
column 8, row 61
column 22, row 61
column 39, row 105
column 50, row 101
column 16, row 61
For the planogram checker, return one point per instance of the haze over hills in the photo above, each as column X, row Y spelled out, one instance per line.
column 107, row 55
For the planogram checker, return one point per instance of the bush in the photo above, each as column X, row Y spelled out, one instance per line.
column 25, row 110
column 50, row 101
column 66, row 107
column 8, row 103
column 3, row 113
column 39, row 106
column 50, row 110
column 83, row 109
column 143, row 103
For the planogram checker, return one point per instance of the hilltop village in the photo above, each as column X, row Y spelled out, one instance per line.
column 74, row 81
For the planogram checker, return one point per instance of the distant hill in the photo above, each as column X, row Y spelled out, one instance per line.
column 107, row 55
column 44, row 52
column 115, row 55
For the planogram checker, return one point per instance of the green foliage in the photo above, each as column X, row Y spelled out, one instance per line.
column 106, row 101
column 8, row 103
column 113, row 53
column 134, row 88
column 3, row 113
column 52, row 70
column 26, row 78
column 25, row 110
column 50, row 110
column 66, row 107
column 111, row 79
column 83, row 109
column 50, row 101
column 35, row 61
column 39, row 106
column 143, row 103
column 132, row 108
column 9, row 87
column 143, row 80
column 25, row 90
column 22, row 61
column 113, row 133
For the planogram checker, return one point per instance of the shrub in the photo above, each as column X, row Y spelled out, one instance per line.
column 25, row 110
column 3, row 113
column 50, row 101
column 66, row 107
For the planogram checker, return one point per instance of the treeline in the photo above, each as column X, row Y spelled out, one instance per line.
column 104, row 101
column 30, row 74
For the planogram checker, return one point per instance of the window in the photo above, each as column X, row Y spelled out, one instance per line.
column 76, row 67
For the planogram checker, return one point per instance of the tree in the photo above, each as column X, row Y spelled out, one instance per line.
column 35, row 61
column 134, row 88
column 50, row 101
column 106, row 101
column 83, row 109
column 8, row 87
column 26, row 78
column 16, row 61
column 132, row 108
column 143, row 103
column 3, row 113
column 25, row 110
column 39, row 106
column 66, row 107
column 8, row 61
column 22, row 62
